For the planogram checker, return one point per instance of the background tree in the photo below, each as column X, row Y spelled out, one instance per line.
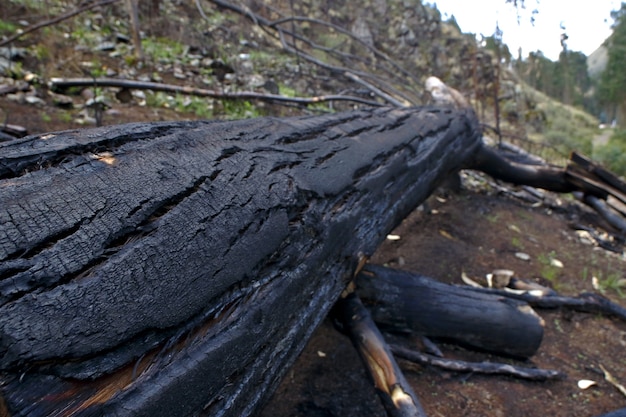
column 612, row 85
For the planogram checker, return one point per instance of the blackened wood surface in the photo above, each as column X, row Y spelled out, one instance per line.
column 179, row 268
column 403, row 301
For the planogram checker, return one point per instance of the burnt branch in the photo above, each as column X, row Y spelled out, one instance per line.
column 63, row 83
column 490, row 368
column 393, row 389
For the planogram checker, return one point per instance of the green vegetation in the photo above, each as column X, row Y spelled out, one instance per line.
column 516, row 242
column 612, row 84
column 605, row 275
column 566, row 80
column 163, row 49
column 239, row 109
column 287, row 91
column 65, row 116
column 35, row 4
column 611, row 281
column 492, row 218
column 201, row 107
column 549, row 270
column 566, row 128
column 613, row 154
column 7, row 28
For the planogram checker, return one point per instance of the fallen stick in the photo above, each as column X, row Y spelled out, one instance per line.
column 585, row 302
column 62, row 83
column 477, row 367
column 612, row 380
column 393, row 389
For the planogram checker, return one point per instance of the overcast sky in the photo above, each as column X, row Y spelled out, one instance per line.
column 587, row 23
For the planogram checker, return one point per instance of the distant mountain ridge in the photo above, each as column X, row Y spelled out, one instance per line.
column 596, row 61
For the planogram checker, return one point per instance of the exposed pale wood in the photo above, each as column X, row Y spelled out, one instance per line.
column 395, row 392
column 602, row 173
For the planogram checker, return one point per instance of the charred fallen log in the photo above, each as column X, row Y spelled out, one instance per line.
column 179, row 268
column 405, row 302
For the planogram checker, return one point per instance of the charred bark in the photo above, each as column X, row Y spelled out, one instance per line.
column 404, row 302
column 179, row 268
column 490, row 161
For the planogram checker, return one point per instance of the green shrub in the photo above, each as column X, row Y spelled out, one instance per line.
column 613, row 154
column 568, row 129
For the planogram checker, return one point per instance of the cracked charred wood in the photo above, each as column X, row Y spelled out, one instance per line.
column 179, row 268
column 405, row 302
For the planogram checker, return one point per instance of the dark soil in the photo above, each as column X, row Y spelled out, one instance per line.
column 477, row 231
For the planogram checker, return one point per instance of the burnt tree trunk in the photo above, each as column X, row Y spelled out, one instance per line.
column 405, row 302
column 179, row 268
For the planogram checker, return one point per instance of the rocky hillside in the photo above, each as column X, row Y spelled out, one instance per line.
column 337, row 48
column 376, row 51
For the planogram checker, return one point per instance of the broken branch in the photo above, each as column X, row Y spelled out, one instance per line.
column 61, row 83
column 477, row 367
column 395, row 392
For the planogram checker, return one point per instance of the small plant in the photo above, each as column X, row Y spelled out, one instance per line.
column 287, row 91
column 65, row 117
column 612, row 281
column 7, row 27
column 557, row 325
column 238, row 109
column 549, row 269
column 613, row 154
column 605, row 276
column 164, row 50
column 201, row 107
column 15, row 70
column 492, row 218
column 517, row 243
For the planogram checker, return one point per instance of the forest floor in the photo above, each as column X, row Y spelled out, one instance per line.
column 477, row 230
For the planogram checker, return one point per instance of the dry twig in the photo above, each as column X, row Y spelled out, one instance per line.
column 57, row 19
column 477, row 367
column 380, row 84
column 61, row 83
